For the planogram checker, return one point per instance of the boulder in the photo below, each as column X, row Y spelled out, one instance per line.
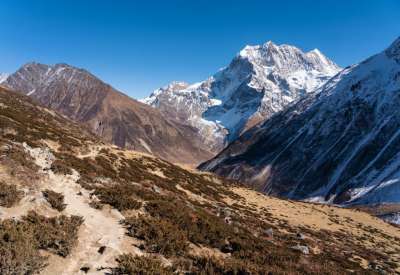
column 302, row 248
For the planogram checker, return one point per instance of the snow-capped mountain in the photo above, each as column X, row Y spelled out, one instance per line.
column 338, row 145
column 110, row 114
column 3, row 77
column 260, row 81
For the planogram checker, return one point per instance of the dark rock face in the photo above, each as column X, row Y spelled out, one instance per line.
column 110, row 114
column 339, row 145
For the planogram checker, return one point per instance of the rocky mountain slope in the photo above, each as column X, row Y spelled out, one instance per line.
column 71, row 204
column 339, row 145
column 110, row 114
column 260, row 81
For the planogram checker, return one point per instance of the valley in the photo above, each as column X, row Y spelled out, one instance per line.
column 118, row 208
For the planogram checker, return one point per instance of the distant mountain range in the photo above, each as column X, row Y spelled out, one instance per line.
column 260, row 81
column 289, row 123
column 339, row 144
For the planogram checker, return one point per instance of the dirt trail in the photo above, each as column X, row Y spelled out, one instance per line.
column 100, row 227
column 92, row 153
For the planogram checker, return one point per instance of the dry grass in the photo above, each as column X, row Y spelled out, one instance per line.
column 369, row 238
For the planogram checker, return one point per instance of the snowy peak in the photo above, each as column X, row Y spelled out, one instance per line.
column 260, row 81
column 339, row 145
column 171, row 88
column 3, row 77
column 322, row 62
column 288, row 58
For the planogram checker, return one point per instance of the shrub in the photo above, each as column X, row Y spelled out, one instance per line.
column 19, row 252
column 96, row 204
column 59, row 167
column 212, row 265
column 21, row 240
column 57, row 235
column 199, row 226
column 120, row 196
column 55, row 199
column 9, row 195
column 140, row 265
column 160, row 236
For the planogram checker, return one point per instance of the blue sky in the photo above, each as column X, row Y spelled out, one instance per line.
column 137, row 46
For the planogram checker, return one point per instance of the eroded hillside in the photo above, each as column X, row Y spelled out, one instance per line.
column 71, row 204
column 108, row 113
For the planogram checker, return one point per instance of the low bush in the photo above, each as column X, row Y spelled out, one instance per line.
column 212, row 265
column 160, row 236
column 19, row 252
column 9, row 194
column 96, row 204
column 140, row 265
column 59, row 167
column 57, row 235
column 120, row 196
column 199, row 226
column 55, row 199
column 21, row 240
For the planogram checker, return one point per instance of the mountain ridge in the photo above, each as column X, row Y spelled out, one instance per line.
column 337, row 145
column 109, row 113
column 259, row 81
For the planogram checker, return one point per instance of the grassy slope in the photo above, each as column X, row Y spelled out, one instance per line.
column 190, row 221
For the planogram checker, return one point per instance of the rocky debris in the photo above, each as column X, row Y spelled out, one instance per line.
column 302, row 248
column 300, row 236
column 228, row 220
column 85, row 269
column 227, row 247
column 156, row 189
column 269, row 232
column 101, row 249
